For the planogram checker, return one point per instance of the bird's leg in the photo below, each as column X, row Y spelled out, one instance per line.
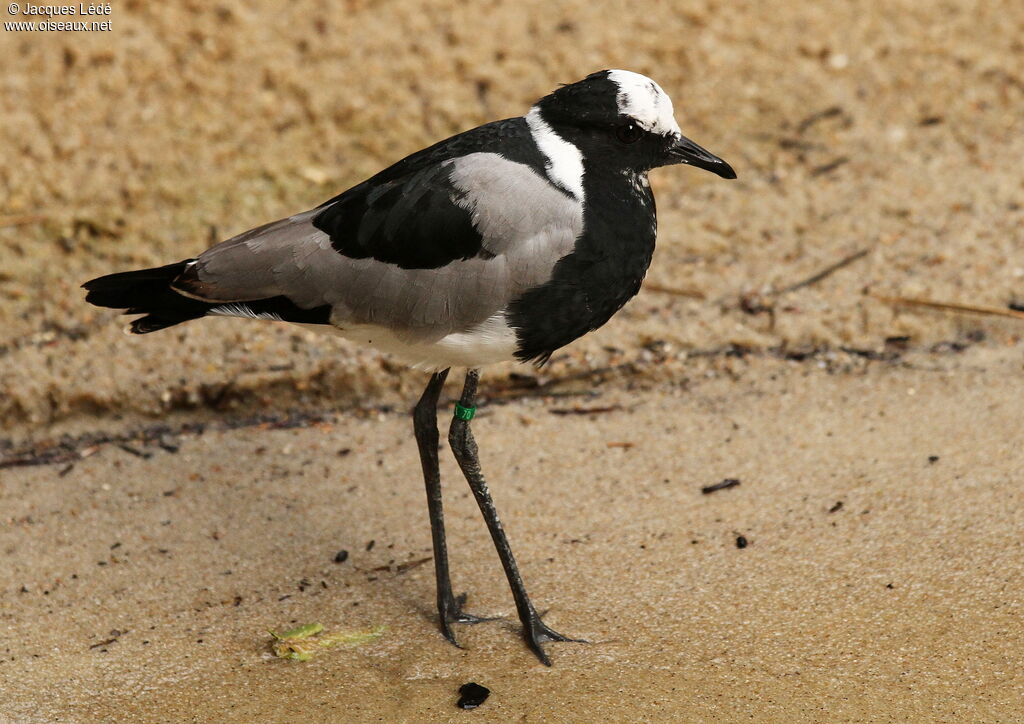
column 464, row 447
column 424, row 416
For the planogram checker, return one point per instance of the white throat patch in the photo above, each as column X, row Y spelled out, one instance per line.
column 564, row 160
column 644, row 101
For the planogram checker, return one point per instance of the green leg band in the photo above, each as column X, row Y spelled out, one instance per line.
column 464, row 413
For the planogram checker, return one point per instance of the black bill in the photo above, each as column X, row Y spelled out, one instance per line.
column 683, row 150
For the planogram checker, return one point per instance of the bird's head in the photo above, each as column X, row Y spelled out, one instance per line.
column 625, row 120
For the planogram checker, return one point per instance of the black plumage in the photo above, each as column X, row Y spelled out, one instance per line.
column 410, row 223
column 594, row 281
column 148, row 292
column 408, row 213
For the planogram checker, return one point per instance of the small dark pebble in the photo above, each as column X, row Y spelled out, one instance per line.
column 341, row 556
column 725, row 484
column 932, row 459
column 370, row 545
column 741, row 541
column 837, row 507
column 472, row 695
column 344, row 451
column 889, row 586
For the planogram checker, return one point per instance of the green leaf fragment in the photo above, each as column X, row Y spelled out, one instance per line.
column 303, row 643
column 351, row 638
column 301, row 632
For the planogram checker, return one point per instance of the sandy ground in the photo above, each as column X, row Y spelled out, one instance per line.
column 889, row 136
column 881, row 580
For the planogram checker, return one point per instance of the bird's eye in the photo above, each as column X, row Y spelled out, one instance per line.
column 628, row 132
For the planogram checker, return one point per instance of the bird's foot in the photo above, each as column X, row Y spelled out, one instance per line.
column 450, row 611
column 536, row 632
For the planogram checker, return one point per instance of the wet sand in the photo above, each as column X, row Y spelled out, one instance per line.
column 880, row 582
column 889, row 139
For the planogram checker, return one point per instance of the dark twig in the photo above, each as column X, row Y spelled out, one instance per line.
column 829, row 112
column 114, row 636
column 134, row 451
column 831, row 269
column 102, row 643
column 409, row 565
column 829, row 167
column 584, row 410
column 724, row 485
column 795, row 144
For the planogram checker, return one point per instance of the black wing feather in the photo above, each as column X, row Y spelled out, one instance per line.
column 414, row 223
column 408, row 213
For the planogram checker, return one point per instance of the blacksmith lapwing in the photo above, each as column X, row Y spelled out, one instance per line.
column 505, row 242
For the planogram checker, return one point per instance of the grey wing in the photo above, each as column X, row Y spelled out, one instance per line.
column 525, row 226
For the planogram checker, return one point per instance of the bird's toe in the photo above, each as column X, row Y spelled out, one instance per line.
column 537, row 633
column 450, row 612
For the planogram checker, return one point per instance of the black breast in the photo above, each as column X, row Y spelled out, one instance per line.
column 603, row 272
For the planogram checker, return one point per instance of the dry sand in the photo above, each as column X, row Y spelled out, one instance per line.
column 895, row 132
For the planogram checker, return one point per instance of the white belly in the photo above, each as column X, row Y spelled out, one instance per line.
column 490, row 342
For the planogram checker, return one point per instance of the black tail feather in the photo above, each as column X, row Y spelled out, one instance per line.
column 132, row 288
column 149, row 292
column 146, row 291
